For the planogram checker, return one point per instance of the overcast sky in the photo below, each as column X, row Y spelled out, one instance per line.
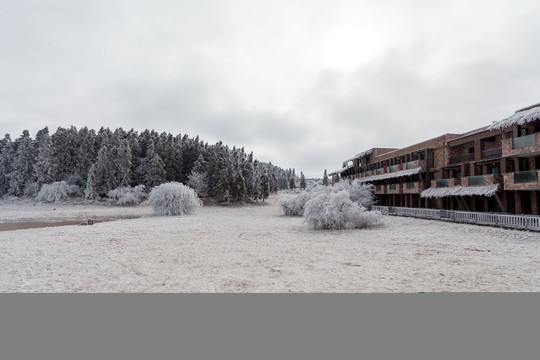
column 304, row 84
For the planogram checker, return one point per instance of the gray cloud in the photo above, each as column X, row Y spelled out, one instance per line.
column 304, row 84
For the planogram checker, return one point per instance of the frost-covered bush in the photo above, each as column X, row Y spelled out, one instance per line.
column 335, row 211
column 295, row 205
column 173, row 198
column 127, row 195
column 360, row 193
column 57, row 191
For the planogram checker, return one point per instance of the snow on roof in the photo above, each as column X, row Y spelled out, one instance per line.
column 488, row 191
column 357, row 156
column 519, row 118
column 473, row 132
column 396, row 174
column 341, row 170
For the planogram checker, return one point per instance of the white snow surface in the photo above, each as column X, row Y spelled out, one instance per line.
column 254, row 248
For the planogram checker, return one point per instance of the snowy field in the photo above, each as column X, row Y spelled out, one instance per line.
column 256, row 249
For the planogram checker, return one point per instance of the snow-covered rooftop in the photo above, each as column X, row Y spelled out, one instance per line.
column 357, row 156
column 519, row 118
column 488, row 191
column 396, row 174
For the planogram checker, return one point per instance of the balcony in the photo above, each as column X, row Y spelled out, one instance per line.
column 442, row 183
column 379, row 171
column 458, row 159
column 379, row 189
column 521, row 146
column 492, row 153
column 523, row 180
column 413, row 187
column 394, row 168
column 482, row 180
column 414, row 164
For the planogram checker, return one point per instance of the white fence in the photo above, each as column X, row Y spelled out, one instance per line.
column 527, row 222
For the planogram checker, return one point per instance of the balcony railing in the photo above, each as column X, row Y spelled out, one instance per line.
column 524, row 141
column 393, row 168
column 526, row 177
column 410, row 165
column 367, row 173
column 441, row 183
column 491, row 153
column 461, row 158
column 479, row 180
column 379, row 171
column 410, row 185
column 392, row 186
column 378, row 187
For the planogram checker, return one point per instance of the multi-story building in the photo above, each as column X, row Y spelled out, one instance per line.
column 494, row 168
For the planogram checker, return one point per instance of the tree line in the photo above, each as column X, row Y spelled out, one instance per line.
column 103, row 160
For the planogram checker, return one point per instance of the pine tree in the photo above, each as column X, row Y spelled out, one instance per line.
column 7, row 155
column 111, row 170
column 46, row 166
column 21, row 179
column 152, row 169
column 302, row 181
column 325, row 178
column 264, row 188
column 292, row 183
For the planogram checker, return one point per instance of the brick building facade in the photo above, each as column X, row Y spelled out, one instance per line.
column 504, row 156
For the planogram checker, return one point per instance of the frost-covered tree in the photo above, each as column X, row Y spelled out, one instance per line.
column 264, row 188
column 198, row 182
column 66, row 145
column 292, row 183
column 7, row 155
column 21, row 179
column 56, row 191
column 46, row 166
column 127, row 195
column 173, row 198
column 112, row 169
column 152, row 169
column 86, row 153
column 325, row 181
column 302, row 181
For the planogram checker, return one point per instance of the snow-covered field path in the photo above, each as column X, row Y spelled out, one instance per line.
column 256, row 249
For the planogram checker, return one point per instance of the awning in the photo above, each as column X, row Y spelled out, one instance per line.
column 488, row 191
column 396, row 174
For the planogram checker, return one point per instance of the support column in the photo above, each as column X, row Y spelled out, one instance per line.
column 517, row 196
column 503, row 166
column 534, row 202
column 477, row 150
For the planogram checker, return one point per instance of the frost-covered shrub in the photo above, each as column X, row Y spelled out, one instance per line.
column 173, row 198
column 361, row 194
column 335, row 211
column 295, row 205
column 127, row 195
column 57, row 191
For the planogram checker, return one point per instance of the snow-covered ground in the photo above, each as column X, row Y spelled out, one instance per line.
column 255, row 248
